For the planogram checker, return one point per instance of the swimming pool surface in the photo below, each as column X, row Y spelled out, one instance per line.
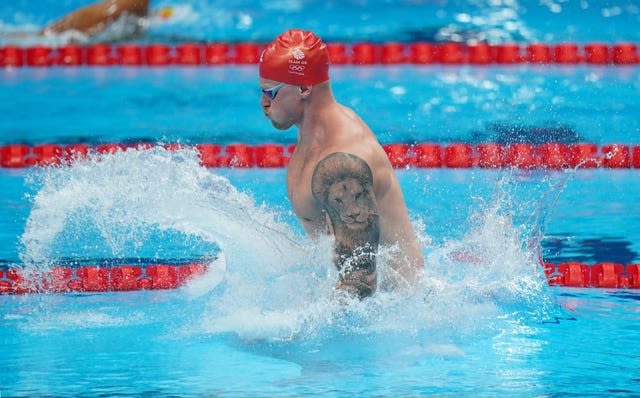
column 482, row 320
column 264, row 324
column 496, row 21
column 401, row 103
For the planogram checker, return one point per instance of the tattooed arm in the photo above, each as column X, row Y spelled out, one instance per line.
column 342, row 185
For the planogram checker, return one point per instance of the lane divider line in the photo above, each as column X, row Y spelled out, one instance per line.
column 420, row 155
column 92, row 278
column 359, row 53
column 602, row 275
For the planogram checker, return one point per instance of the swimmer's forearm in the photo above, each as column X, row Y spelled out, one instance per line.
column 342, row 184
column 357, row 268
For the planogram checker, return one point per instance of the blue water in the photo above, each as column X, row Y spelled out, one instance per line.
column 262, row 321
column 401, row 104
column 496, row 21
column 578, row 228
column 141, row 343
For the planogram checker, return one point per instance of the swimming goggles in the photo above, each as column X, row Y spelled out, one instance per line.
column 273, row 91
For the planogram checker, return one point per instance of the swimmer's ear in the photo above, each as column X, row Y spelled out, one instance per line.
column 305, row 91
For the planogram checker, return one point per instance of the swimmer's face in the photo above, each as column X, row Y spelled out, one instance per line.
column 280, row 103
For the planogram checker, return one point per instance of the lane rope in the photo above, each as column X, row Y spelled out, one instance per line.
column 98, row 278
column 420, row 155
column 158, row 276
column 600, row 275
column 360, row 53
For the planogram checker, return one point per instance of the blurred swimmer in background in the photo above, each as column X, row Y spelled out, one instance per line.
column 95, row 18
column 107, row 20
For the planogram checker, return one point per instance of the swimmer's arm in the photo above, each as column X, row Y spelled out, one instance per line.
column 342, row 185
column 92, row 18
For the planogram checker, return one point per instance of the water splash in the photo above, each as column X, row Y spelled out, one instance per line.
column 268, row 281
column 126, row 195
column 489, row 280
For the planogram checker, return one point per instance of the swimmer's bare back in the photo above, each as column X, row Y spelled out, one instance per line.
column 93, row 18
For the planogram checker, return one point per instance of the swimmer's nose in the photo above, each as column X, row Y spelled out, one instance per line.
column 264, row 101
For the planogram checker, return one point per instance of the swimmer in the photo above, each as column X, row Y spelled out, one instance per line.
column 104, row 21
column 94, row 18
column 339, row 179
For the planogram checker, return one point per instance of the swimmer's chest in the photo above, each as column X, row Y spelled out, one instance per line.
column 299, row 176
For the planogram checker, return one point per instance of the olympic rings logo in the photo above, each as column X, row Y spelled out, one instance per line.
column 296, row 68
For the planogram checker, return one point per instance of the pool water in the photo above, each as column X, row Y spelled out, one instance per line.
column 264, row 321
column 496, row 21
column 401, row 104
column 150, row 344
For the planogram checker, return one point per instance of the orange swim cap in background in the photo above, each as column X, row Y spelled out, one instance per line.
column 296, row 57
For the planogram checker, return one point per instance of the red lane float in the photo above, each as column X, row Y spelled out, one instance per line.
column 216, row 54
column 451, row 53
column 129, row 54
column 239, row 155
column 616, row 156
column 70, row 55
column 458, row 156
column 338, row 54
column 247, row 53
column 597, row 53
column 188, row 54
column 11, row 56
column 100, row 55
column 554, row 155
column 14, row 156
column 361, row 53
column 625, row 53
column 393, row 53
column 39, row 56
column 270, row 155
column 600, row 275
column 398, row 154
column 480, row 54
column 427, row 155
column 98, row 278
column 422, row 155
column 490, row 155
column 166, row 276
column 636, row 156
column 523, row 156
column 538, row 53
column 158, row 55
column 422, row 53
column 566, row 53
column 508, row 54
column 365, row 54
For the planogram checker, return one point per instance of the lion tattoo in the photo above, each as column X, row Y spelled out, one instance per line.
column 342, row 184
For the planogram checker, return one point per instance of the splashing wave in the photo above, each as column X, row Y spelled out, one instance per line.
column 268, row 281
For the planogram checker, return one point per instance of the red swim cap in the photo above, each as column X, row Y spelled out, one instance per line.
column 296, row 57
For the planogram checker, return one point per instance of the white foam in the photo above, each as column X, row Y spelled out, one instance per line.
column 216, row 270
column 272, row 283
column 43, row 321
